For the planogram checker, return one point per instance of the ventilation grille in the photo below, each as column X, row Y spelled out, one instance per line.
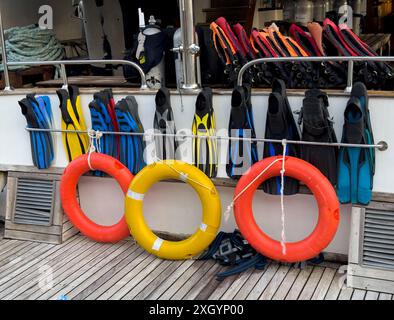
column 34, row 202
column 378, row 246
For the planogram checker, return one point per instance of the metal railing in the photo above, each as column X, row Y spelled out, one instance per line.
column 61, row 63
column 381, row 146
column 351, row 61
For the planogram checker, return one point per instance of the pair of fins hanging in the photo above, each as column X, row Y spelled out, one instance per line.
column 316, row 126
column 280, row 125
column 242, row 154
column 131, row 147
column 38, row 114
column 204, row 126
column 75, row 143
column 123, row 116
column 102, row 112
column 356, row 166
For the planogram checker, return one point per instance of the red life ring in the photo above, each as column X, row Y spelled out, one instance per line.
column 68, row 195
column 326, row 198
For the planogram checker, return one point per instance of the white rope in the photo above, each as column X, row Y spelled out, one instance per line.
column 282, row 198
column 282, row 194
column 92, row 148
column 231, row 206
column 182, row 174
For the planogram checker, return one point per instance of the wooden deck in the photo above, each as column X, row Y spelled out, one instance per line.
column 81, row 269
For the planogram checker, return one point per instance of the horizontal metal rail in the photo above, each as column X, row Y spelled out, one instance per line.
column 63, row 63
column 351, row 60
column 382, row 146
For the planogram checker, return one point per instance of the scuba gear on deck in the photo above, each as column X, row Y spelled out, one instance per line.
column 164, row 123
column 205, row 150
column 241, row 154
column 317, row 126
column 356, row 165
column 231, row 249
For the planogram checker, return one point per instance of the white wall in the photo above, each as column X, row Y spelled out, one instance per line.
column 173, row 207
column 25, row 12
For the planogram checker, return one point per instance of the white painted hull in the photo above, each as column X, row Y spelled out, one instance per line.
column 174, row 208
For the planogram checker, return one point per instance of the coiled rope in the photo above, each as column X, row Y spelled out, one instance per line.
column 30, row 43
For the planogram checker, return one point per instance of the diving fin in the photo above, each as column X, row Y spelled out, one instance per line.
column 164, row 123
column 279, row 128
column 359, row 90
column 317, row 126
column 355, row 165
column 205, row 149
column 241, row 154
column 75, row 144
column 132, row 147
column 41, row 142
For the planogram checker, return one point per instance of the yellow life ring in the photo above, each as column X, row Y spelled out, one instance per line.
column 174, row 170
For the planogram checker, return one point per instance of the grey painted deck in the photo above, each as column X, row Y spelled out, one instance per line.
column 82, row 269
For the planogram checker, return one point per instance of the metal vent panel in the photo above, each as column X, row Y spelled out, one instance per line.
column 378, row 242
column 34, row 202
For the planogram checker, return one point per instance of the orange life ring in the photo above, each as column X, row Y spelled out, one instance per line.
column 326, row 198
column 68, row 195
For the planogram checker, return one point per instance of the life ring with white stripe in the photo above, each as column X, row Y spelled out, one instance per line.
column 68, row 195
column 321, row 188
column 173, row 170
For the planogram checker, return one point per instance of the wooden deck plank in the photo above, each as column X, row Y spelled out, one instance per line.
column 182, row 280
column 237, row 285
column 144, row 269
column 209, row 266
column 324, row 284
column 118, row 289
column 359, row 294
column 33, row 265
column 275, row 283
column 263, row 282
column 385, row 296
column 82, row 271
column 335, row 287
column 35, row 276
column 170, row 280
column 12, row 265
column 346, row 293
column 299, row 283
column 250, row 283
column 97, row 284
column 209, row 277
column 147, row 280
column 286, row 284
column 61, row 270
column 222, row 287
column 11, row 248
column 372, row 295
column 138, row 264
column 15, row 256
column 311, row 284
column 151, row 287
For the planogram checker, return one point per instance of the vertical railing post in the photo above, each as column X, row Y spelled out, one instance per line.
column 350, row 71
column 190, row 49
column 4, row 57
